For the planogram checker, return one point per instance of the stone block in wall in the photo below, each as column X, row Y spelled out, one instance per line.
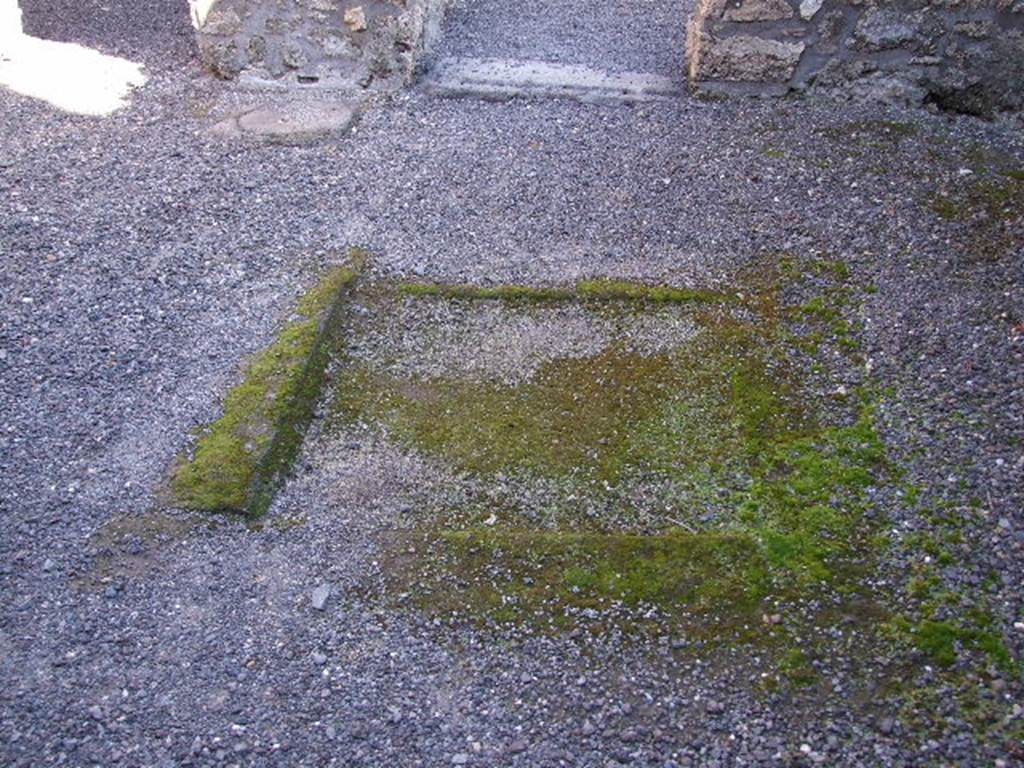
column 831, row 28
column 224, row 22
column 223, row 57
column 743, row 41
column 758, row 10
column 880, row 29
column 976, row 30
column 862, row 79
column 746, row 58
column 981, row 80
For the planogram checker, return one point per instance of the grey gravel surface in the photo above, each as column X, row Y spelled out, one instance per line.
column 154, row 32
column 428, row 339
column 142, row 259
column 618, row 36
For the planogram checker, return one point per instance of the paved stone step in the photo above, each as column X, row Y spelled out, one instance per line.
column 508, row 78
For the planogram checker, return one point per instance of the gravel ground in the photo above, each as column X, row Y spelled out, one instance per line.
column 491, row 342
column 620, row 36
column 154, row 32
column 143, row 259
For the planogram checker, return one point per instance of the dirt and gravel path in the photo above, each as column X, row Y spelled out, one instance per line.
column 856, row 277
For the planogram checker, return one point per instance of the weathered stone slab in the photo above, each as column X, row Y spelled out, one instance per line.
column 746, row 58
column 297, row 120
column 290, row 119
column 505, row 78
column 880, row 29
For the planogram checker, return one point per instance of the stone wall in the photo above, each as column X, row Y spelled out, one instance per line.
column 963, row 55
column 339, row 43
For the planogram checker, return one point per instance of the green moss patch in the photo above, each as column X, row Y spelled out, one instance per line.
column 943, row 641
column 990, row 210
column 730, row 419
column 807, row 501
column 485, row 293
column 240, row 458
column 624, row 290
column 602, row 289
column 992, row 197
column 797, row 669
column 874, row 131
column 798, row 526
column 597, row 418
column 516, row 575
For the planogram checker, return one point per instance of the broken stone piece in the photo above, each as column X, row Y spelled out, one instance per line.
column 320, row 595
column 810, row 7
column 295, row 120
column 355, row 19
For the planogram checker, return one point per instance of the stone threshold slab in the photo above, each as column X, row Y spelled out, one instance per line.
column 510, row 78
column 290, row 118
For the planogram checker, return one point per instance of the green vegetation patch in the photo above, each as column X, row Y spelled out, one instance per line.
column 990, row 209
column 877, row 131
column 597, row 418
column 602, row 289
column 808, row 497
column 612, row 290
column 485, row 293
column 942, row 641
column 240, row 458
column 795, row 667
column 731, row 411
column 992, row 197
column 513, row 575
column 796, row 528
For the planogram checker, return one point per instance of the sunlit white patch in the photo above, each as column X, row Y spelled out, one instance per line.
column 69, row 76
column 200, row 10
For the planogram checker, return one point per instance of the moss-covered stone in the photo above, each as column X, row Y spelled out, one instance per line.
column 608, row 289
column 240, row 458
